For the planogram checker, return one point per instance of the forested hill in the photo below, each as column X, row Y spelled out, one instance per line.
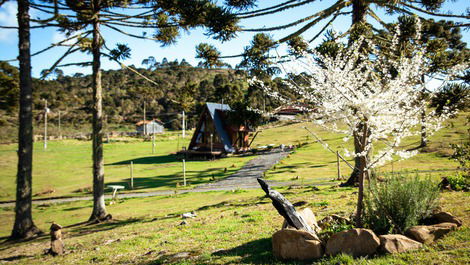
column 171, row 89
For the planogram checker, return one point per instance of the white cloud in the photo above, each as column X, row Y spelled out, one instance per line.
column 8, row 18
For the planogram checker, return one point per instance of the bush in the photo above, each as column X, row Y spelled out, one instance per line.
column 399, row 203
column 459, row 182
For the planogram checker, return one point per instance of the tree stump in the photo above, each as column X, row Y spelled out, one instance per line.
column 57, row 245
column 286, row 209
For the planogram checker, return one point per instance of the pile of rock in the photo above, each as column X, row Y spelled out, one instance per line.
column 299, row 237
column 290, row 243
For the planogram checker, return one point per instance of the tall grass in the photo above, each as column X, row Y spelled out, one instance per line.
column 399, row 202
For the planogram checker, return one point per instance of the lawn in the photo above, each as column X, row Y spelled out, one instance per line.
column 64, row 169
column 232, row 226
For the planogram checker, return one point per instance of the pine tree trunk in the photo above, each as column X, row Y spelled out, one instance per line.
column 99, row 208
column 24, row 226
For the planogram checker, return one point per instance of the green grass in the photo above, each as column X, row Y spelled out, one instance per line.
column 231, row 227
column 64, row 169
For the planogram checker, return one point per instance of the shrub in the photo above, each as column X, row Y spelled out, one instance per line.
column 399, row 203
column 459, row 182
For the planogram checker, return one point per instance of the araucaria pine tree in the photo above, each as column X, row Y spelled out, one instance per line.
column 366, row 96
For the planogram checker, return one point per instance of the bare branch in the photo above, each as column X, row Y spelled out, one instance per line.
column 129, row 34
column 432, row 13
column 324, row 14
column 283, row 8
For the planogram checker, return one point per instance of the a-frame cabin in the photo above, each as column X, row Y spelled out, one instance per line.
column 215, row 136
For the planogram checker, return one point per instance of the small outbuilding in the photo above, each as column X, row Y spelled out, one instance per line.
column 215, row 135
column 149, row 127
column 289, row 112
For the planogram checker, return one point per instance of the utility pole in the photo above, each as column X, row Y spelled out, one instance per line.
column 145, row 121
column 60, row 131
column 183, row 126
column 46, row 110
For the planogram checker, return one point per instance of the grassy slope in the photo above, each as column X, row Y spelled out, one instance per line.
column 239, row 222
column 231, row 227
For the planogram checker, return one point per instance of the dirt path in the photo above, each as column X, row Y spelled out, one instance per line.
column 245, row 178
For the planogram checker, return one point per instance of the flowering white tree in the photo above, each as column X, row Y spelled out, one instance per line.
column 367, row 96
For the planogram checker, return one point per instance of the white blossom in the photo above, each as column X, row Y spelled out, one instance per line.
column 353, row 89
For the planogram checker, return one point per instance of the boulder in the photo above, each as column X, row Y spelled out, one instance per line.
column 428, row 233
column 446, row 217
column 355, row 242
column 308, row 217
column 296, row 244
column 397, row 244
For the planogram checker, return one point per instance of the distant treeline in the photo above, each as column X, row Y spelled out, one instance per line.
column 166, row 89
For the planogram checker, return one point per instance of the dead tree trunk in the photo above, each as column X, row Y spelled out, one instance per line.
column 24, row 226
column 99, row 208
column 286, row 209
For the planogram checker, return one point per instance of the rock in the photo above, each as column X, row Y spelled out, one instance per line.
column 57, row 245
column 296, row 244
column 189, row 215
column 308, row 217
column 355, row 242
column 397, row 244
column 331, row 219
column 446, row 217
column 428, row 233
column 184, row 222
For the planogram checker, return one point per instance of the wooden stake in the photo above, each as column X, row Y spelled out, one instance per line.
column 338, row 166
column 132, row 175
column 184, row 172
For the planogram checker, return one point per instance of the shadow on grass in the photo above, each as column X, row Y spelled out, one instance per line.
column 193, row 177
column 253, row 252
column 148, row 160
column 86, row 228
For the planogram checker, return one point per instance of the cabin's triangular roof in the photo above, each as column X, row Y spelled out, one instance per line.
column 214, row 109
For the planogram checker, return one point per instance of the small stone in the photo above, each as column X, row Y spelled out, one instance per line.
column 355, row 242
column 296, row 244
column 428, row 233
column 57, row 245
column 333, row 219
column 184, row 222
column 181, row 255
column 397, row 244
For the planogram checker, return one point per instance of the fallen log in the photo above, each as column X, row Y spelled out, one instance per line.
column 286, row 209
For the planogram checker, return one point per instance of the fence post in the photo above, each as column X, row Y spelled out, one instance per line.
column 338, row 166
column 132, row 175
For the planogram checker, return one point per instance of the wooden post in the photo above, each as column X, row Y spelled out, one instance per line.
column 338, row 166
column 153, row 142
column 132, row 175
column 184, row 172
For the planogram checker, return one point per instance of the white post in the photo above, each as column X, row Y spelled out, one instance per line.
column 184, row 127
column 184, row 172
column 145, row 121
column 132, row 175
column 60, row 131
column 46, row 110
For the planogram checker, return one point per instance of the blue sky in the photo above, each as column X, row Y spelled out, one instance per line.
column 185, row 47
